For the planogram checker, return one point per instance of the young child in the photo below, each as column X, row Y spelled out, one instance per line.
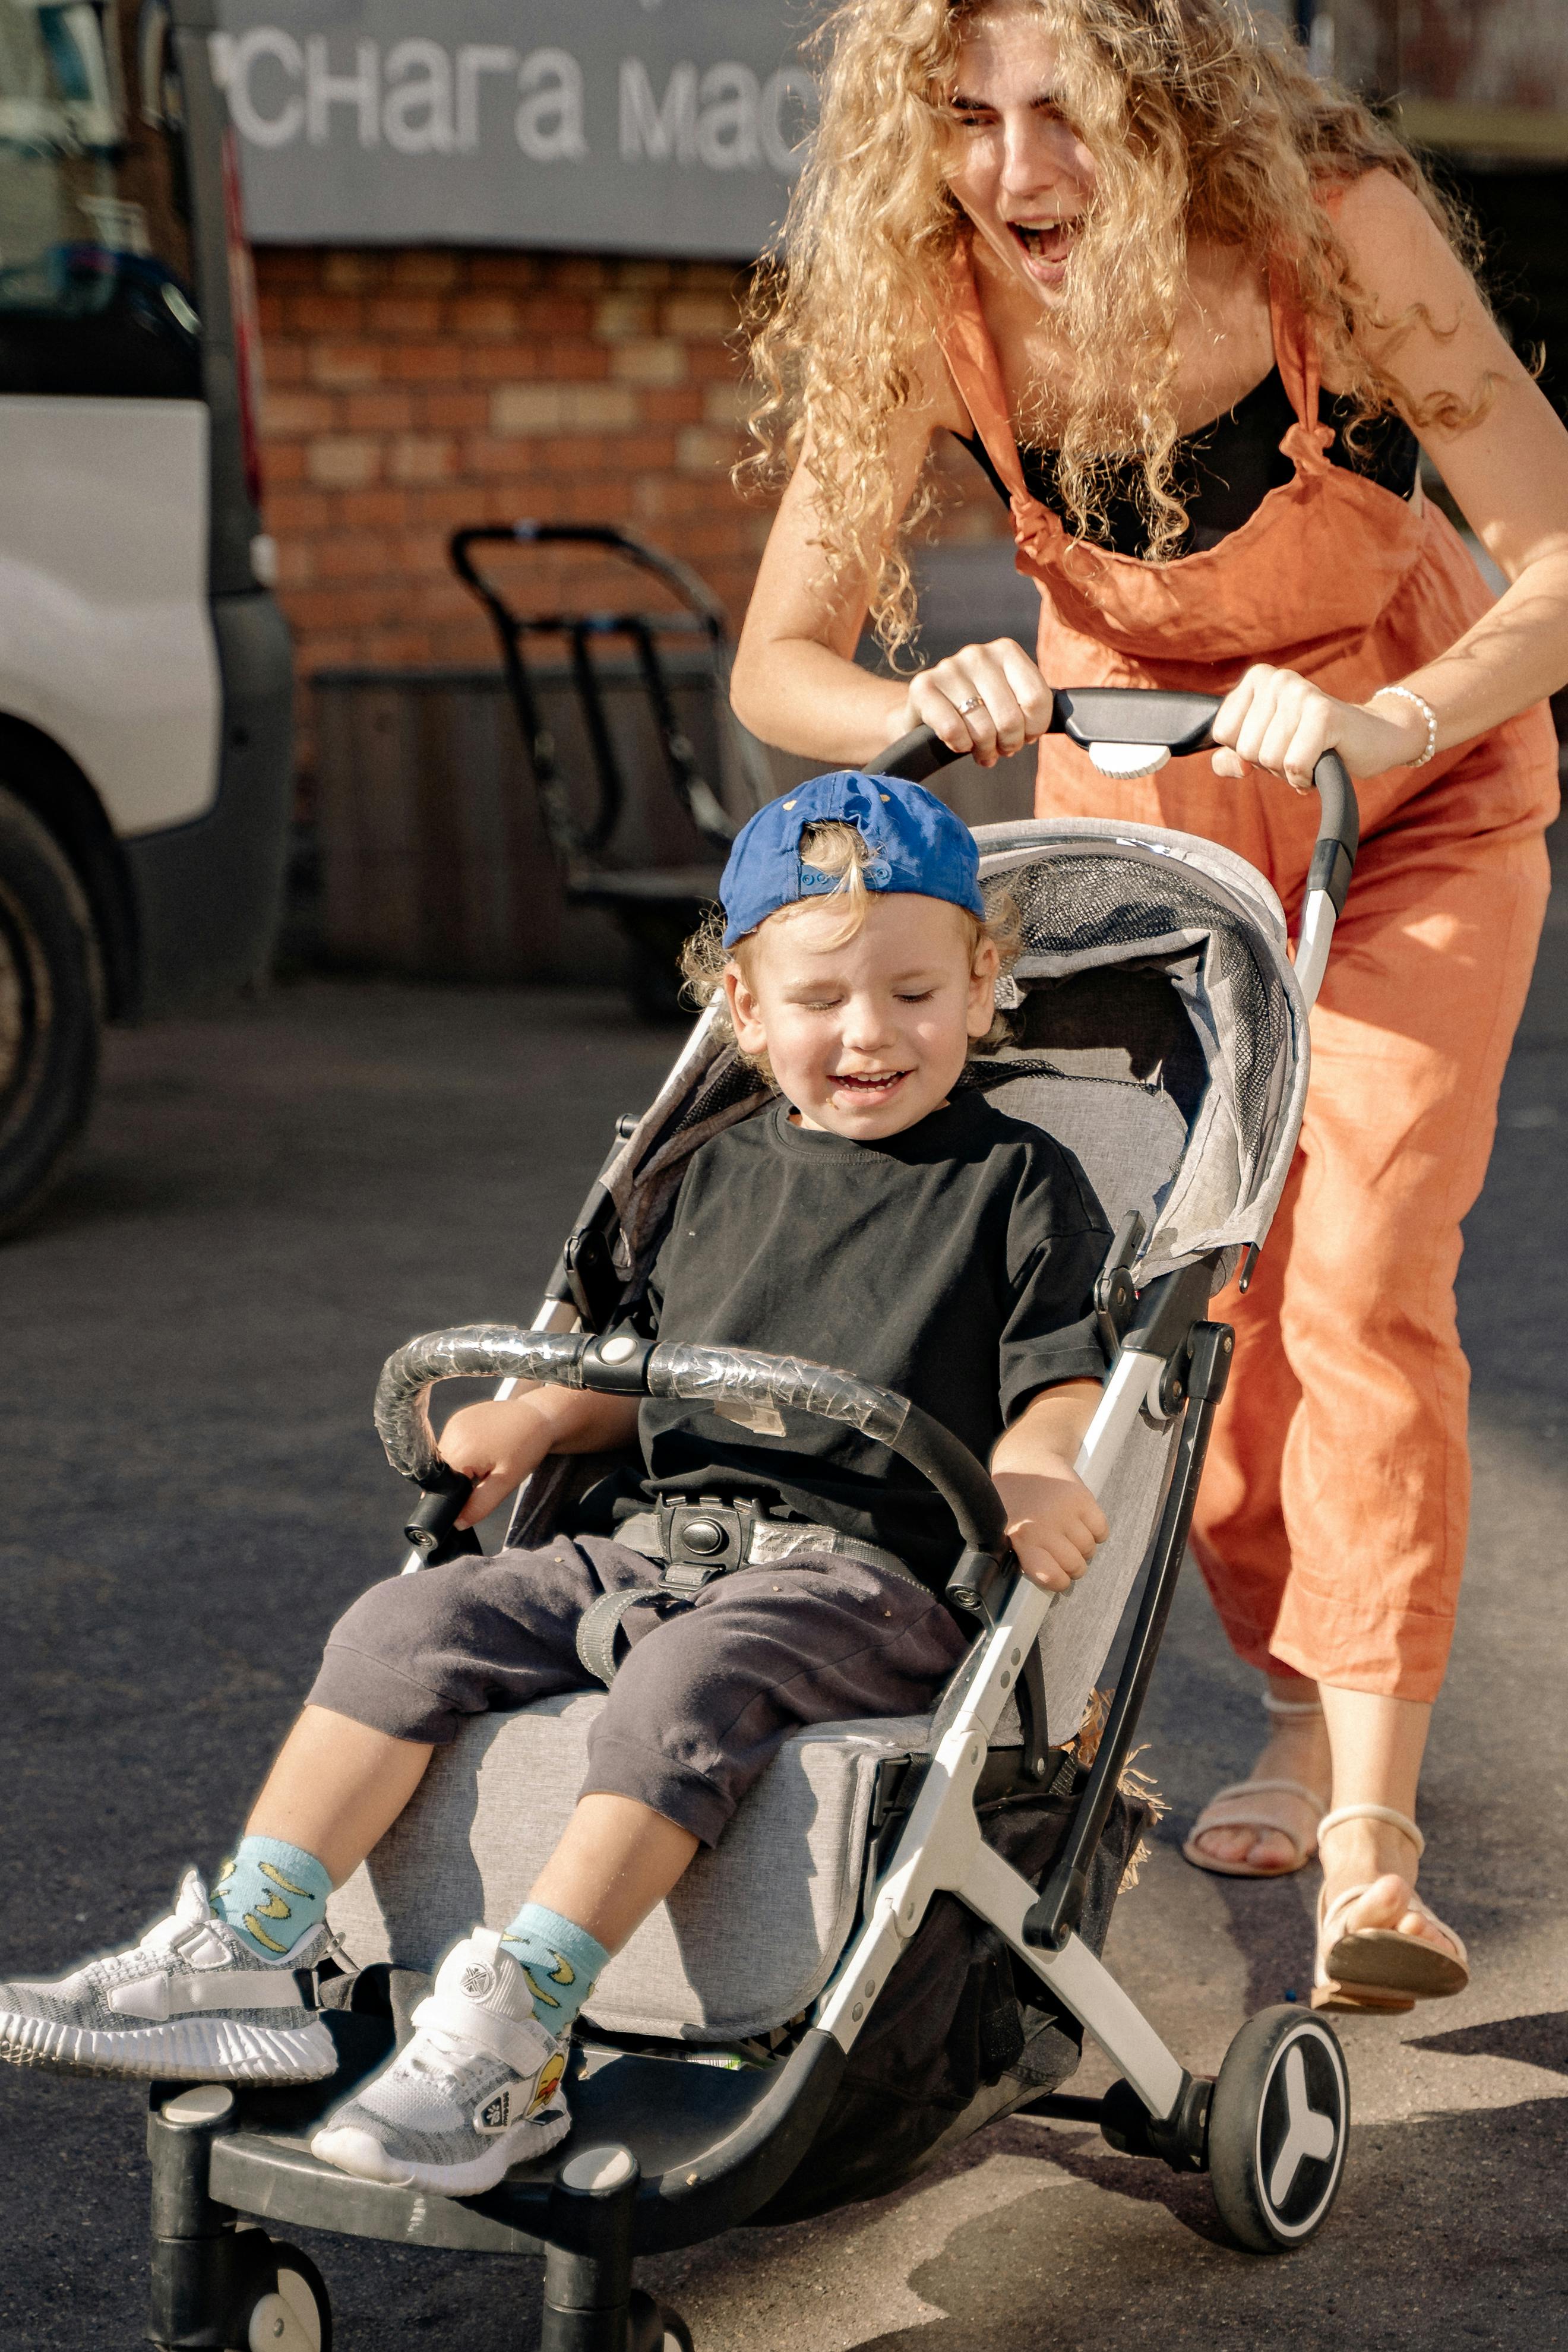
column 873, row 1219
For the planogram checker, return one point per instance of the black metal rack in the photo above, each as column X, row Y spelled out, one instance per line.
column 655, row 908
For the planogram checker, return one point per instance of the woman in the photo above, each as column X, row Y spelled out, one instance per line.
column 1192, row 311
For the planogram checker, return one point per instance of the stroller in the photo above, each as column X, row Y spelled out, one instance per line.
column 898, row 1940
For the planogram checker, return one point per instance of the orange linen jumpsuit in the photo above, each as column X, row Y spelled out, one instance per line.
column 1332, row 1518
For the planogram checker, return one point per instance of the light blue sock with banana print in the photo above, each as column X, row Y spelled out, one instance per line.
column 271, row 1894
column 560, row 1960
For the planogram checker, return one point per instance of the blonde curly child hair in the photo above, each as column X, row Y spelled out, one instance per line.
column 839, row 849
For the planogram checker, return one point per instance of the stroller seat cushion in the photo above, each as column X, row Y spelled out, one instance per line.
column 745, row 1942
column 1128, row 1137
column 752, row 1932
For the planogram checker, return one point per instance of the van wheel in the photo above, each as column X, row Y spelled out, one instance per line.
column 51, row 1011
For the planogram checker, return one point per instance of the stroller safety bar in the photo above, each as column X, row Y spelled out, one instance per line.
column 623, row 1364
column 1171, row 726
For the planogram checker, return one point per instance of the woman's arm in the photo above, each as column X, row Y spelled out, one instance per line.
column 1509, row 473
column 795, row 682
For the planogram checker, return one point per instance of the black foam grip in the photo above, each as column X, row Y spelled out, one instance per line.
column 1338, row 830
column 915, row 757
column 1125, row 714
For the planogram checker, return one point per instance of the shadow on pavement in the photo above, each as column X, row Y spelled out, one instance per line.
column 1078, row 2270
column 1541, row 2041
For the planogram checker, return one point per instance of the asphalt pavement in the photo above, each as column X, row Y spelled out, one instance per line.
column 274, row 1197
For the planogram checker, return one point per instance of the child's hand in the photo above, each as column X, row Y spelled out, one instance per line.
column 497, row 1445
column 1054, row 1523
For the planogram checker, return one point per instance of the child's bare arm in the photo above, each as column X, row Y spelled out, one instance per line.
column 1053, row 1521
column 498, row 1444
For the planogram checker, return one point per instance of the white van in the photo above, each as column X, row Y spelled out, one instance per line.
column 144, row 666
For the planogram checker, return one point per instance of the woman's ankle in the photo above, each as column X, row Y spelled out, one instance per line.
column 1358, row 1852
column 1297, row 1745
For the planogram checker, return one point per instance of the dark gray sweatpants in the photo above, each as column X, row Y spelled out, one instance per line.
column 703, row 1698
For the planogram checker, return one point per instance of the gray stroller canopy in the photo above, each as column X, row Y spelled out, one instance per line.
column 1204, row 1164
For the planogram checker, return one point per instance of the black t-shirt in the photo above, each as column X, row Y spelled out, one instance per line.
column 954, row 1263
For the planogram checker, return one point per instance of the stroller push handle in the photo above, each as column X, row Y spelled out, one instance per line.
column 1177, row 725
column 620, row 1363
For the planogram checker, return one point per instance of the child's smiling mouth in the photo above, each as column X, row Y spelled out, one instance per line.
column 870, row 1086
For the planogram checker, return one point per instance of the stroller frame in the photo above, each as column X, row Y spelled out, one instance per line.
column 663, row 2155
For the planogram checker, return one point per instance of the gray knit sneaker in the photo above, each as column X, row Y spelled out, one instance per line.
column 476, row 2091
column 190, row 2002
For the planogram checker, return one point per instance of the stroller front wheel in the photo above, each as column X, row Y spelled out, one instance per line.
column 1279, row 2124
column 287, row 2309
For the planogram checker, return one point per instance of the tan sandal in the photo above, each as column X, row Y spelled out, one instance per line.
column 1378, row 1968
column 1295, row 1812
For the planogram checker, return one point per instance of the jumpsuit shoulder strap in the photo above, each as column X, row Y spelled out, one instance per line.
column 1295, row 346
column 1295, row 341
column 970, row 355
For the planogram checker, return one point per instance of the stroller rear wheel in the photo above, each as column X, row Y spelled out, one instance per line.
column 1279, row 2124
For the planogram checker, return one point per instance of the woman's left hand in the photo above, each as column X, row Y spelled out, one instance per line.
column 1277, row 720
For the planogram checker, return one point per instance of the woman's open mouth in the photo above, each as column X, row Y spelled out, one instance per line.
column 1044, row 245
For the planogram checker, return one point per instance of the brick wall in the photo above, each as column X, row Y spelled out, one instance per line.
column 408, row 391
column 412, row 390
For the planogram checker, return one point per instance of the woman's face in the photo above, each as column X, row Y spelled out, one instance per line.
column 1016, row 163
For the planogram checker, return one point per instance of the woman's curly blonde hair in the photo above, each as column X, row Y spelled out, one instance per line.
column 1201, row 119
column 839, row 849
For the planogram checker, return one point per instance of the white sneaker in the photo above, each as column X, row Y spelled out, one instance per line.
column 476, row 2091
column 191, row 2002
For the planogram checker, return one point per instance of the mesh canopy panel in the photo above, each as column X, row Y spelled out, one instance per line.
column 728, row 1081
column 1079, row 905
column 1142, row 898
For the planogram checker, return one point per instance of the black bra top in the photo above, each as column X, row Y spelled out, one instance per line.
column 1225, row 471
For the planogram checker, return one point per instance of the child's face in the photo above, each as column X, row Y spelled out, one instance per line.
column 868, row 1036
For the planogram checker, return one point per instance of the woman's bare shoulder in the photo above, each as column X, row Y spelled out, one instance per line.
column 1395, row 249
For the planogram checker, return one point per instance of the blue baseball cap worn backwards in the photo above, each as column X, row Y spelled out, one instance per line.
column 916, row 845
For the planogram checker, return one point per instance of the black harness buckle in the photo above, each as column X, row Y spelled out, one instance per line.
column 703, row 1539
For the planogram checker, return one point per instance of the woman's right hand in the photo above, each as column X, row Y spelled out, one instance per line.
column 1009, row 703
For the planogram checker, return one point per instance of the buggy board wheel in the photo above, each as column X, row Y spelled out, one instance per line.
column 285, row 2309
column 654, row 2327
column 1279, row 2124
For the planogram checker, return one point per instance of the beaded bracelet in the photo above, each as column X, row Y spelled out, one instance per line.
column 1428, row 713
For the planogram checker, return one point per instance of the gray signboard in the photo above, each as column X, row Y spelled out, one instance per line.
column 663, row 126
